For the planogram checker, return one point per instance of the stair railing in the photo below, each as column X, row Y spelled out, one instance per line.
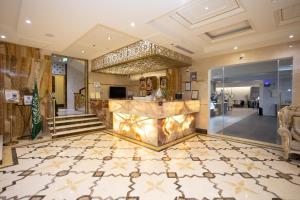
column 54, row 114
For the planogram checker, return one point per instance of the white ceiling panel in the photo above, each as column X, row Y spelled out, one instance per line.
column 76, row 25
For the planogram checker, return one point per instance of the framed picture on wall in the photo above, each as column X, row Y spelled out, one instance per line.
column 27, row 100
column 142, row 83
column 195, row 95
column 187, row 86
column 12, row 96
column 163, row 82
column 193, row 76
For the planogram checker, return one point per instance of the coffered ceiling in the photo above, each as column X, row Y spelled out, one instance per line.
column 196, row 28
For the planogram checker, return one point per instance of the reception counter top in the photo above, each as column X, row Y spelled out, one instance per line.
column 154, row 109
column 152, row 122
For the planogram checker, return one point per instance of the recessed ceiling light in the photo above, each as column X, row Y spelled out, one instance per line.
column 291, row 36
column 235, row 48
column 109, row 38
column 290, row 46
column 206, row 8
column 132, row 24
column 28, row 21
column 82, row 51
column 3, row 36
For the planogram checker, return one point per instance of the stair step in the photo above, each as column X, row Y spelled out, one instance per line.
column 71, row 116
column 74, row 125
column 78, row 130
column 73, row 120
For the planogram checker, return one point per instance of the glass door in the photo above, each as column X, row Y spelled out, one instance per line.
column 216, row 101
column 69, row 85
column 245, row 99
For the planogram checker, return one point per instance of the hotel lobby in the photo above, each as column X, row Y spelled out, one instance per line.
column 143, row 100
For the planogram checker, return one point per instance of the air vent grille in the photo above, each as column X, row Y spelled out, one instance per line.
column 184, row 49
column 229, row 30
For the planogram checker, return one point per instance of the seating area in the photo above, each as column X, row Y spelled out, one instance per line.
column 289, row 130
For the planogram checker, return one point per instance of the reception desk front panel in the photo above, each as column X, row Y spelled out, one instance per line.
column 152, row 122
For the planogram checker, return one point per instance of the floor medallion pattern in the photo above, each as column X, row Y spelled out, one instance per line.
column 100, row 166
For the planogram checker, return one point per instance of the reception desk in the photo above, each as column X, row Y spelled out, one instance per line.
column 154, row 123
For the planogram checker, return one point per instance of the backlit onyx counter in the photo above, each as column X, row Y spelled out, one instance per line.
column 152, row 122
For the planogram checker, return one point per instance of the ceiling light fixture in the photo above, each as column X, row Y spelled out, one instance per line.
column 3, row 36
column 235, row 48
column 132, row 24
column 28, row 21
column 206, row 8
column 291, row 36
column 290, row 46
column 82, row 51
column 151, row 57
column 109, row 38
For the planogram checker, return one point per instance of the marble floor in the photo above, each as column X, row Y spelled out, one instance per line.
column 100, row 166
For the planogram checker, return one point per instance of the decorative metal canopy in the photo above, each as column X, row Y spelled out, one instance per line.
column 139, row 57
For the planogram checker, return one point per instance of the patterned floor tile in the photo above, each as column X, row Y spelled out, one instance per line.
column 178, row 153
column 186, row 167
column 205, row 154
column 218, row 144
column 153, row 166
column 230, row 153
column 241, row 188
column 100, row 166
column 259, row 153
column 205, row 189
column 254, row 168
column 42, row 152
column 71, row 152
column 123, row 166
column 97, row 152
column 146, row 154
column 218, row 166
column 82, row 143
column 70, row 186
column 284, row 167
column 149, row 187
column 124, row 153
column 52, row 166
column 112, row 187
column 282, row 187
column 81, row 166
column 24, row 164
column 27, row 186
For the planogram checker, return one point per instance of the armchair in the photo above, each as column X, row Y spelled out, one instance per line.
column 289, row 129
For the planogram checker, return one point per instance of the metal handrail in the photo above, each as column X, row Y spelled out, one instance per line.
column 54, row 114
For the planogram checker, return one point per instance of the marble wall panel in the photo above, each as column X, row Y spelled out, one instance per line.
column 20, row 66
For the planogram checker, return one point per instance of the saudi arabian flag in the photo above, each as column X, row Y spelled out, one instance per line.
column 36, row 115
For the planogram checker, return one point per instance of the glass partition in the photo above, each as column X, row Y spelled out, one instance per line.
column 245, row 99
column 216, row 108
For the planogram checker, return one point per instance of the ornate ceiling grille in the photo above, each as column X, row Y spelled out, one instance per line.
column 139, row 57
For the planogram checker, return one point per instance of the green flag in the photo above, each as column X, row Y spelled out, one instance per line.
column 36, row 115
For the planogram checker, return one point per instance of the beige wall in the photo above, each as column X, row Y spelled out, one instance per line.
column 75, row 80
column 202, row 67
column 107, row 80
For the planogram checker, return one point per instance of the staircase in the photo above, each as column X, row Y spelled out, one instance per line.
column 74, row 124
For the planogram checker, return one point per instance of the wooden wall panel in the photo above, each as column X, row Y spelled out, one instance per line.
column 20, row 65
column 174, row 81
